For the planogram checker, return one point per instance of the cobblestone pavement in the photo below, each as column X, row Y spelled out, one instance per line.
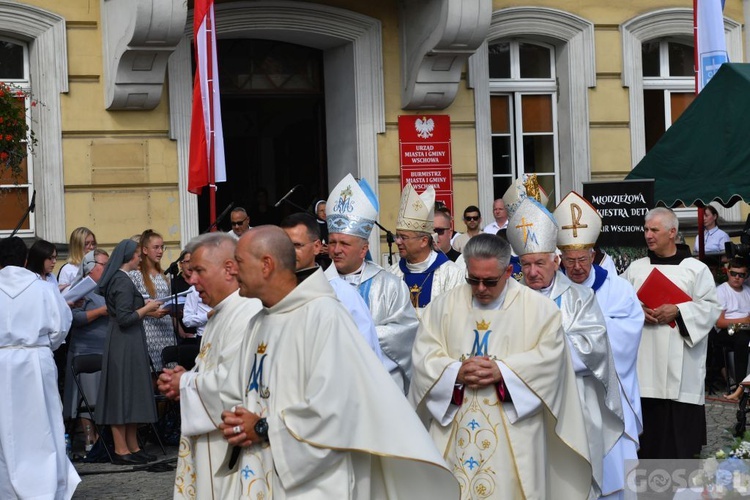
column 116, row 482
column 154, row 482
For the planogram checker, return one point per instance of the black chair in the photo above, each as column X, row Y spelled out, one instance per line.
column 87, row 363
column 183, row 354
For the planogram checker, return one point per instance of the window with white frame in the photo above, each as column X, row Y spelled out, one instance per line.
column 16, row 191
column 523, row 108
column 668, row 84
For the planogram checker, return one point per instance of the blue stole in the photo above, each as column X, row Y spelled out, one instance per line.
column 517, row 273
column 599, row 278
column 420, row 284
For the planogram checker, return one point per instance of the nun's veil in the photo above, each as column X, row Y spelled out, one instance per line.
column 122, row 253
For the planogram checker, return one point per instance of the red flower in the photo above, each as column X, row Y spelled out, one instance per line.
column 3, row 156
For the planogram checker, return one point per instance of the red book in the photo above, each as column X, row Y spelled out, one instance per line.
column 658, row 290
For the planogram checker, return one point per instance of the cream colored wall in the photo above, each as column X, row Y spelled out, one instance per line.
column 120, row 168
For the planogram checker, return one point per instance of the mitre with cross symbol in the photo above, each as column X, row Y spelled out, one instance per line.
column 532, row 229
column 579, row 223
column 417, row 210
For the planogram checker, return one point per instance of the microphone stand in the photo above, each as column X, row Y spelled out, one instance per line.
column 31, row 208
column 220, row 218
column 390, row 240
column 171, row 272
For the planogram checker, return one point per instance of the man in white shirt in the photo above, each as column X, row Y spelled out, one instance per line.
column 240, row 222
column 734, row 298
column 501, row 217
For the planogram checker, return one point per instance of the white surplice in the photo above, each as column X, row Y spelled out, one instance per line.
column 201, row 453
column 532, row 447
column 671, row 366
column 338, row 427
column 34, row 320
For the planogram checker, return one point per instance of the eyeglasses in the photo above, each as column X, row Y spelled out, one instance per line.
column 239, row 223
column 581, row 261
column 406, row 238
column 487, row 282
column 735, row 274
column 100, row 263
column 158, row 247
column 471, row 218
column 441, row 230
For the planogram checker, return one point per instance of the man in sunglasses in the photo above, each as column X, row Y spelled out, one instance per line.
column 473, row 221
column 240, row 222
column 734, row 298
column 580, row 225
column 442, row 229
column 532, row 232
column 491, row 372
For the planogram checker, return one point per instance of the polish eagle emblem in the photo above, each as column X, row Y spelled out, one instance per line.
column 424, row 127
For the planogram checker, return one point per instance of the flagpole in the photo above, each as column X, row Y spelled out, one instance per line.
column 701, row 209
column 211, row 138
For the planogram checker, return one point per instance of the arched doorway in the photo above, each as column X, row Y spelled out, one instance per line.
column 353, row 93
column 273, row 111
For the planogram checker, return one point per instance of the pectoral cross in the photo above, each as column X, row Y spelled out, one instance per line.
column 414, row 291
column 575, row 214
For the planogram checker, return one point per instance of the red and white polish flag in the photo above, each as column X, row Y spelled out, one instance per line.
column 206, row 137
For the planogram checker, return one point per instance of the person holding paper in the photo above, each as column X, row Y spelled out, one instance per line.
column 672, row 359
column 126, row 395
column 87, row 336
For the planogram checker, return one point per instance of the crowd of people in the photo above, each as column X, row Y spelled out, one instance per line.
column 507, row 361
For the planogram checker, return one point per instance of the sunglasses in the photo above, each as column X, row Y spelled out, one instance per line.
column 239, row 223
column 735, row 274
column 488, row 283
column 471, row 218
column 441, row 230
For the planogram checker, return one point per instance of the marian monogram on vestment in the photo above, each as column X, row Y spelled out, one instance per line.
column 255, row 383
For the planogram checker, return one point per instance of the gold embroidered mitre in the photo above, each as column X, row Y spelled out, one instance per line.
column 579, row 223
column 417, row 210
column 532, row 229
column 526, row 186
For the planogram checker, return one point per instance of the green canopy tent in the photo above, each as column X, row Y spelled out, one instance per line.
column 705, row 155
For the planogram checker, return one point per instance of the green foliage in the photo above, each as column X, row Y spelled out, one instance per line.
column 16, row 137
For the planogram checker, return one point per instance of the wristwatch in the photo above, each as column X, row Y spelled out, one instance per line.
column 261, row 429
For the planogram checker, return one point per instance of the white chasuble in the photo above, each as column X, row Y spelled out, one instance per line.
column 201, row 454
column 503, row 449
column 338, row 427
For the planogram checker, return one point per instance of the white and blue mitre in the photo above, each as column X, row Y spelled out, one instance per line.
column 532, row 229
column 526, row 186
column 579, row 223
column 352, row 208
column 417, row 211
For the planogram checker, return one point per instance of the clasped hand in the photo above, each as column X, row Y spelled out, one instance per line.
column 661, row 315
column 478, row 371
column 169, row 382
column 243, row 420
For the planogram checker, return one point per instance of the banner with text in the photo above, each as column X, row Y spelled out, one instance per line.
column 622, row 206
column 425, row 154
